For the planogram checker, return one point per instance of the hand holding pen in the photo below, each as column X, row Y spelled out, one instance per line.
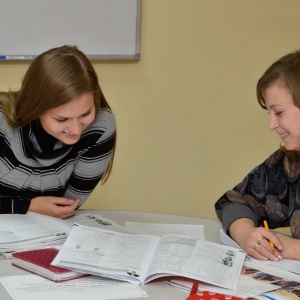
column 255, row 241
column 269, row 237
column 267, row 227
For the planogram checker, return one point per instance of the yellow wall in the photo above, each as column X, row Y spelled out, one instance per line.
column 189, row 126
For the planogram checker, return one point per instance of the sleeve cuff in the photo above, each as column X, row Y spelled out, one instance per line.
column 234, row 211
column 21, row 206
column 11, row 205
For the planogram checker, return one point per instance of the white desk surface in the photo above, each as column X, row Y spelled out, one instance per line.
column 155, row 290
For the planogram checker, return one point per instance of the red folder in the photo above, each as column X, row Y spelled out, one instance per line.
column 39, row 262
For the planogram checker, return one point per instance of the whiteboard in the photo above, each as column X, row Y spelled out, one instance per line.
column 102, row 29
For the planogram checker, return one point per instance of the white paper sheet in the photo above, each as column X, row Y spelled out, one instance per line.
column 97, row 221
column 33, row 287
column 159, row 229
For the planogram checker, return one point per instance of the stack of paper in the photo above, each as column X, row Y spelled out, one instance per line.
column 30, row 230
column 36, row 231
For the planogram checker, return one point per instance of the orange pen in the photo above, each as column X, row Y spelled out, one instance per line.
column 267, row 227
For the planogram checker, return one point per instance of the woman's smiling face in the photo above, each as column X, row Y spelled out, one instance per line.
column 284, row 115
column 67, row 122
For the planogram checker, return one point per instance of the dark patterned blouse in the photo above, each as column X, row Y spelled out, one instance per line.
column 269, row 192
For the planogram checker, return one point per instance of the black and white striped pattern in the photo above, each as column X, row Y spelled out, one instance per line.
column 71, row 171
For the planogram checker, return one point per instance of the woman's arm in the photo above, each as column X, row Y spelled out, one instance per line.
column 258, row 197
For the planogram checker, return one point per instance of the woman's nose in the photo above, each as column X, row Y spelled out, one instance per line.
column 75, row 127
column 273, row 123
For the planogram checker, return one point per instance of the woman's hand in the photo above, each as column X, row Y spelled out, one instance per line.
column 255, row 241
column 291, row 246
column 54, row 206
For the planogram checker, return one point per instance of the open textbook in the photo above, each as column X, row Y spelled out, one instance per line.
column 141, row 258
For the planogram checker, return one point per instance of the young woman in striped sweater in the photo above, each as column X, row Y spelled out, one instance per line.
column 57, row 136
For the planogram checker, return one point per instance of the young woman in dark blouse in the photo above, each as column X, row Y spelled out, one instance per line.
column 271, row 192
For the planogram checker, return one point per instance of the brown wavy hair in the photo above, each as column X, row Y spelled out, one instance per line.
column 285, row 70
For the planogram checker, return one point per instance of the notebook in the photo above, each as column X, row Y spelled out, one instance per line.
column 38, row 261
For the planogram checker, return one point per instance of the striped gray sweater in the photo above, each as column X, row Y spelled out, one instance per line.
column 33, row 163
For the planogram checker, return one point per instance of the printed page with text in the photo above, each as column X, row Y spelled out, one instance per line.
column 140, row 258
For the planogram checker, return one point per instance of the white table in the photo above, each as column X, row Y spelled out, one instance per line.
column 155, row 290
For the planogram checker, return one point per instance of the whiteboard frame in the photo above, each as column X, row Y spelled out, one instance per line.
column 120, row 57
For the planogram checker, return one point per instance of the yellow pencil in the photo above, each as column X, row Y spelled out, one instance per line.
column 267, row 227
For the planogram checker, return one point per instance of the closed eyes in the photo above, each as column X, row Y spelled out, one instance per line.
column 61, row 120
